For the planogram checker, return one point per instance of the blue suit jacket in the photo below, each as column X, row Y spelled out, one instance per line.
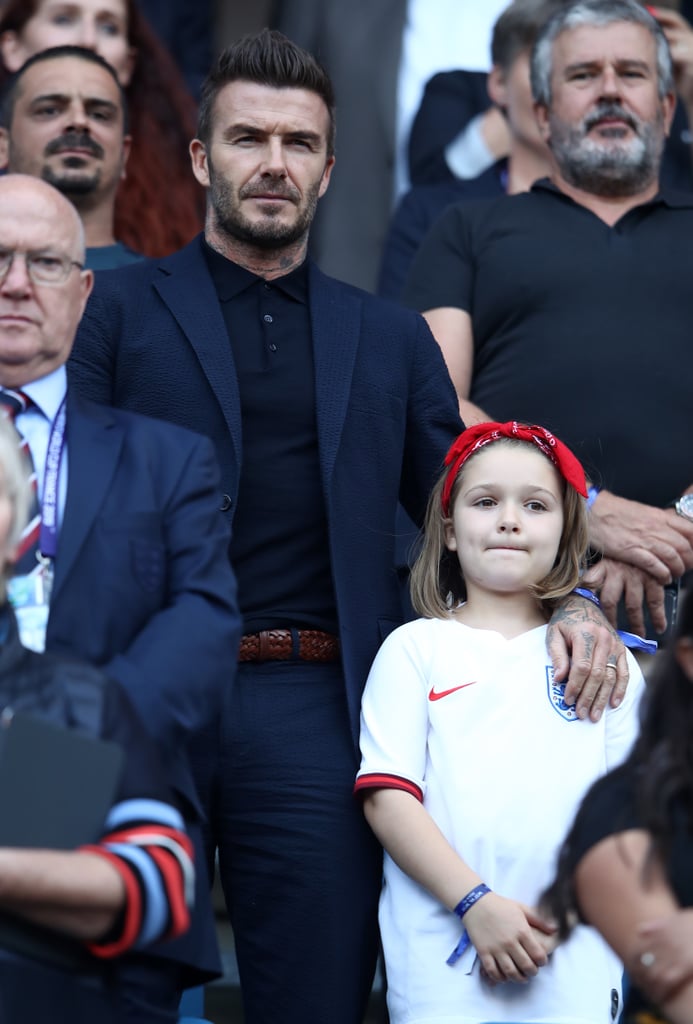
column 134, row 596
column 153, row 339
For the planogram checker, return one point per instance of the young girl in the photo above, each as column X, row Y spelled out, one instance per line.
column 472, row 763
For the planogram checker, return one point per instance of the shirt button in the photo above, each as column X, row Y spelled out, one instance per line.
column 273, row 348
column 267, row 318
column 226, row 503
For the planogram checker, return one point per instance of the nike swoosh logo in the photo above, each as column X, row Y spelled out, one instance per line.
column 446, row 693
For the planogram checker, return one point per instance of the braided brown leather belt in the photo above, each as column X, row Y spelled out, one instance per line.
column 285, row 644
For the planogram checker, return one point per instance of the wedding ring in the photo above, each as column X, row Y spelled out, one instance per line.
column 647, row 959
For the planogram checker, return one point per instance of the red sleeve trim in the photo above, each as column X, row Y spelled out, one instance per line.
column 175, row 891
column 133, row 907
column 126, row 835
column 377, row 780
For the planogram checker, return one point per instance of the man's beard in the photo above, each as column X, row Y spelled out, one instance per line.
column 70, row 184
column 618, row 170
column 67, row 179
column 269, row 233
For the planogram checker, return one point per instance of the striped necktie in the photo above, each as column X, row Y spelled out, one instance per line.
column 11, row 404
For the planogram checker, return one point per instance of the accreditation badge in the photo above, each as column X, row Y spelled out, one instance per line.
column 30, row 598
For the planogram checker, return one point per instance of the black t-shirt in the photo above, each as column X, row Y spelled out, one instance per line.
column 584, row 328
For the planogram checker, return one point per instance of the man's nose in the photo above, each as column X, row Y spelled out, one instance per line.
column 77, row 116
column 610, row 82
column 16, row 281
column 274, row 158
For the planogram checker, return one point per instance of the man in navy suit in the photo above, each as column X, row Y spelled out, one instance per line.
column 326, row 406
column 134, row 574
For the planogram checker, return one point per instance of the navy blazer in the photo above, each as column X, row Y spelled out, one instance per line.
column 153, row 339
column 135, row 597
column 131, row 594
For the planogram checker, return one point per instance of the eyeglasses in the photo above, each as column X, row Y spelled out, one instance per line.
column 42, row 268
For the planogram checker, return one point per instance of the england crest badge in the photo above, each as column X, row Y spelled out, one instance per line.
column 555, row 692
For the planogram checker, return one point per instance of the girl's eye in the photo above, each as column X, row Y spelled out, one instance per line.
column 536, row 506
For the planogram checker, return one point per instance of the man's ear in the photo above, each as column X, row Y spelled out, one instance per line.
column 4, row 149
column 542, row 114
column 668, row 109
column 496, row 88
column 127, row 147
column 200, row 165
column 329, row 164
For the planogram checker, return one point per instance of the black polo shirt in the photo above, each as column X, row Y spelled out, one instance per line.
column 584, row 328
column 280, row 548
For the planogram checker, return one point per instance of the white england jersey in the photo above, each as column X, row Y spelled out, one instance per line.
column 473, row 725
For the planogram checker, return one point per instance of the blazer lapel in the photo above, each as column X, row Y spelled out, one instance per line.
column 186, row 288
column 93, row 445
column 335, row 318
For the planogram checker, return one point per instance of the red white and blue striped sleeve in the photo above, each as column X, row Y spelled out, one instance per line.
column 145, row 840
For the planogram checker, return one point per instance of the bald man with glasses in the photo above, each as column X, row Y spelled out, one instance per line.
column 131, row 569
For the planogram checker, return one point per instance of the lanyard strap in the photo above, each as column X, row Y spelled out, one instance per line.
column 48, row 537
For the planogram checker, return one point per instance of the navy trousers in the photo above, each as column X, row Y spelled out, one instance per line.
column 300, row 869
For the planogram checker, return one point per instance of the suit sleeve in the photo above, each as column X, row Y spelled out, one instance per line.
column 433, row 422
column 177, row 667
column 450, row 101
column 92, row 363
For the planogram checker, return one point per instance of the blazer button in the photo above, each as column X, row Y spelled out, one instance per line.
column 226, row 503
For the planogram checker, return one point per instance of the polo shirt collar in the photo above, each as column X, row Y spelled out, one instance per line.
column 230, row 279
column 665, row 196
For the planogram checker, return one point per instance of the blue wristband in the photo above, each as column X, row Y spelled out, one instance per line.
column 592, row 493
column 461, row 909
column 589, row 595
column 630, row 640
column 472, row 897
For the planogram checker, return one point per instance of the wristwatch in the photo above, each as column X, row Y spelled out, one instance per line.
column 684, row 506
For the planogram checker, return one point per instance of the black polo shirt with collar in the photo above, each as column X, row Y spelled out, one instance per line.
column 280, row 548
column 584, row 328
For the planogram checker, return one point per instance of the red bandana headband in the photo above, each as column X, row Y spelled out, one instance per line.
column 474, row 438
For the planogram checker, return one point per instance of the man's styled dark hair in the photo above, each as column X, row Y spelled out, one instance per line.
column 9, row 92
column 266, row 58
column 517, row 28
